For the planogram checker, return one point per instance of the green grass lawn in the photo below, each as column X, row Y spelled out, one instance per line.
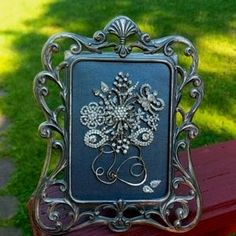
column 25, row 25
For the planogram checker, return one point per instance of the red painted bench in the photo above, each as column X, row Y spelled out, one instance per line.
column 215, row 168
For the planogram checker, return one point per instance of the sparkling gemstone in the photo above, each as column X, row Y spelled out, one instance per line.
column 120, row 112
column 145, row 137
column 147, row 189
column 92, row 139
column 155, row 183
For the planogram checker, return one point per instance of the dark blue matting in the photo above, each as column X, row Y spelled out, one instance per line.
column 87, row 75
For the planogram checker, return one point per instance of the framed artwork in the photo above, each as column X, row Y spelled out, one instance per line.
column 115, row 141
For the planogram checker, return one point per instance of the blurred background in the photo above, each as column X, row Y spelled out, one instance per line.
column 25, row 26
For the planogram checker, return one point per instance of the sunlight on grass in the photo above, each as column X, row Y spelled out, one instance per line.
column 218, row 52
column 7, row 57
column 12, row 23
column 221, row 122
column 49, row 30
column 18, row 11
column 145, row 25
column 16, row 22
column 76, row 27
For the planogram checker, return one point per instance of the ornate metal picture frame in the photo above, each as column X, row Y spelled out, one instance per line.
column 115, row 139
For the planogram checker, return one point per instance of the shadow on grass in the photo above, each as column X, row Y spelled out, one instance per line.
column 192, row 19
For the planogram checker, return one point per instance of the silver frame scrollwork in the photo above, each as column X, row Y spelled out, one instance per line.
column 172, row 211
